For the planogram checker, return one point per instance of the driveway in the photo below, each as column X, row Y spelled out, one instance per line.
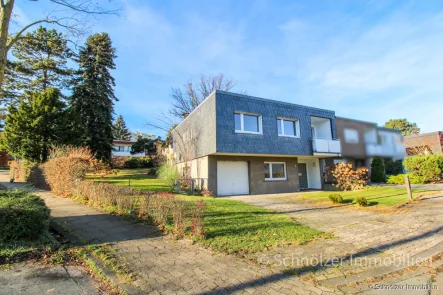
column 409, row 233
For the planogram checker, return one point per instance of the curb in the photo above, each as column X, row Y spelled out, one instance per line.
column 109, row 273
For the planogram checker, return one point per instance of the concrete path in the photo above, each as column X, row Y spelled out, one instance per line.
column 163, row 265
column 33, row 278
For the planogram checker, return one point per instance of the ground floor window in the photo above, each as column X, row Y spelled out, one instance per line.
column 275, row 171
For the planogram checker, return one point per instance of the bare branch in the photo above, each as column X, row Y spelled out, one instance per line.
column 85, row 7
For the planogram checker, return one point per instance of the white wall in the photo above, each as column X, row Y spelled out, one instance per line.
column 314, row 176
column 198, row 169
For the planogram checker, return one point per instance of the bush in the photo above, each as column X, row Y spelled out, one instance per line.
column 131, row 162
column 428, row 167
column 23, row 216
column 167, row 173
column 348, row 178
column 400, row 179
column 361, row 201
column 336, row 198
column 393, row 167
column 21, row 169
column 66, row 167
column 197, row 221
column 118, row 162
column 378, row 170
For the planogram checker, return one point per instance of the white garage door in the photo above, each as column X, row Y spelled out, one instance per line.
column 232, row 178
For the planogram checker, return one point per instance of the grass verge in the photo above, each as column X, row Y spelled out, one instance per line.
column 376, row 196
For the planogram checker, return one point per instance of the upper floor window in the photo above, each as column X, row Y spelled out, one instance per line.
column 351, row 135
column 248, row 123
column 288, row 127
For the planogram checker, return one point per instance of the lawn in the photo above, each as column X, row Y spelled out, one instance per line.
column 236, row 227
column 136, row 178
column 232, row 226
column 376, row 195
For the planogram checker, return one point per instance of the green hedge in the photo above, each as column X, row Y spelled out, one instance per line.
column 138, row 162
column 23, row 216
column 393, row 167
column 400, row 179
column 428, row 167
column 378, row 170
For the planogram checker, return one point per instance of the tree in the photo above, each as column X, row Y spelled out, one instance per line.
column 404, row 126
column 119, row 129
column 73, row 23
column 93, row 95
column 192, row 95
column 33, row 127
column 144, row 145
column 40, row 63
column 378, row 173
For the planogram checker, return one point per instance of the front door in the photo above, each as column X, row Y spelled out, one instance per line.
column 303, row 175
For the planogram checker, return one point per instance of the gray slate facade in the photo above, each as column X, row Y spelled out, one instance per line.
column 228, row 141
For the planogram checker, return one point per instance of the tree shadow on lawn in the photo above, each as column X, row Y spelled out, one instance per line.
column 279, row 276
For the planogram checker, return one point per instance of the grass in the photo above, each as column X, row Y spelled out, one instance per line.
column 136, row 178
column 15, row 250
column 232, row 226
column 236, row 227
column 376, row 196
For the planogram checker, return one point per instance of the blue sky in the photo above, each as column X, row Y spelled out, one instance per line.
column 368, row 60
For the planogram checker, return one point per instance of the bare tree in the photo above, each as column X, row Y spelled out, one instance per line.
column 187, row 99
column 69, row 14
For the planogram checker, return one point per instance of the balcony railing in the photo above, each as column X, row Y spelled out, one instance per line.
column 329, row 146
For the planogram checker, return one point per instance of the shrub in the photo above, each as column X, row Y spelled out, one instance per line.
column 66, row 167
column 167, row 173
column 378, row 170
column 197, row 222
column 428, row 167
column 336, row 198
column 23, row 216
column 160, row 207
column 393, row 167
column 118, row 162
column 145, row 162
column 348, row 178
column 179, row 217
column 361, row 201
column 400, row 179
column 131, row 162
column 207, row 193
column 21, row 169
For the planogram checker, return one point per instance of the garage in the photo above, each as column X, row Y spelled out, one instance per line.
column 232, row 178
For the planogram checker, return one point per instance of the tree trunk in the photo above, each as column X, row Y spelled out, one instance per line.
column 5, row 18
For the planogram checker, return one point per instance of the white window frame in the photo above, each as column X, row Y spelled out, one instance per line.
column 270, row 171
column 242, row 127
column 282, row 127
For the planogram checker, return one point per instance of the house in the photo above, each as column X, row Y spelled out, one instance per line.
column 362, row 141
column 123, row 148
column 423, row 144
column 239, row 144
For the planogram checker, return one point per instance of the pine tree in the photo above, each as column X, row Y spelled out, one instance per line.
column 40, row 62
column 35, row 125
column 378, row 173
column 120, row 131
column 93, row 96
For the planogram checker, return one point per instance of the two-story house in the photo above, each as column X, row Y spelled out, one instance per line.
column 241, row 144
column 123, row 148
column 362, row 141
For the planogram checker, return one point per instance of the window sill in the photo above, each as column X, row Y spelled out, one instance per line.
column 248, row 132
column 290, row 136
column 275, row 179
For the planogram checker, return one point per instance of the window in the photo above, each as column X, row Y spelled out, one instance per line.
column 275, row 171
column 248, row 123
column 288, row 127
column 129, row 148
column 120, row 148
column 351, row 135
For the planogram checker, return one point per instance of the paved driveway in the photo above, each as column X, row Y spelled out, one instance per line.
column 410, row 232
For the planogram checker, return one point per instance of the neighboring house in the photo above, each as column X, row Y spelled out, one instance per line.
column 423, row 144
column 123, row 148
column 362, row 141
column 240, row 144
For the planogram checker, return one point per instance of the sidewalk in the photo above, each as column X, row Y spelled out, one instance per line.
column 161, row 264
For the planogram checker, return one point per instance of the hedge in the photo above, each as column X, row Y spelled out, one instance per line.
column 23, row 216
column 428, row 167
column 400, row 179
column 378, row 170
